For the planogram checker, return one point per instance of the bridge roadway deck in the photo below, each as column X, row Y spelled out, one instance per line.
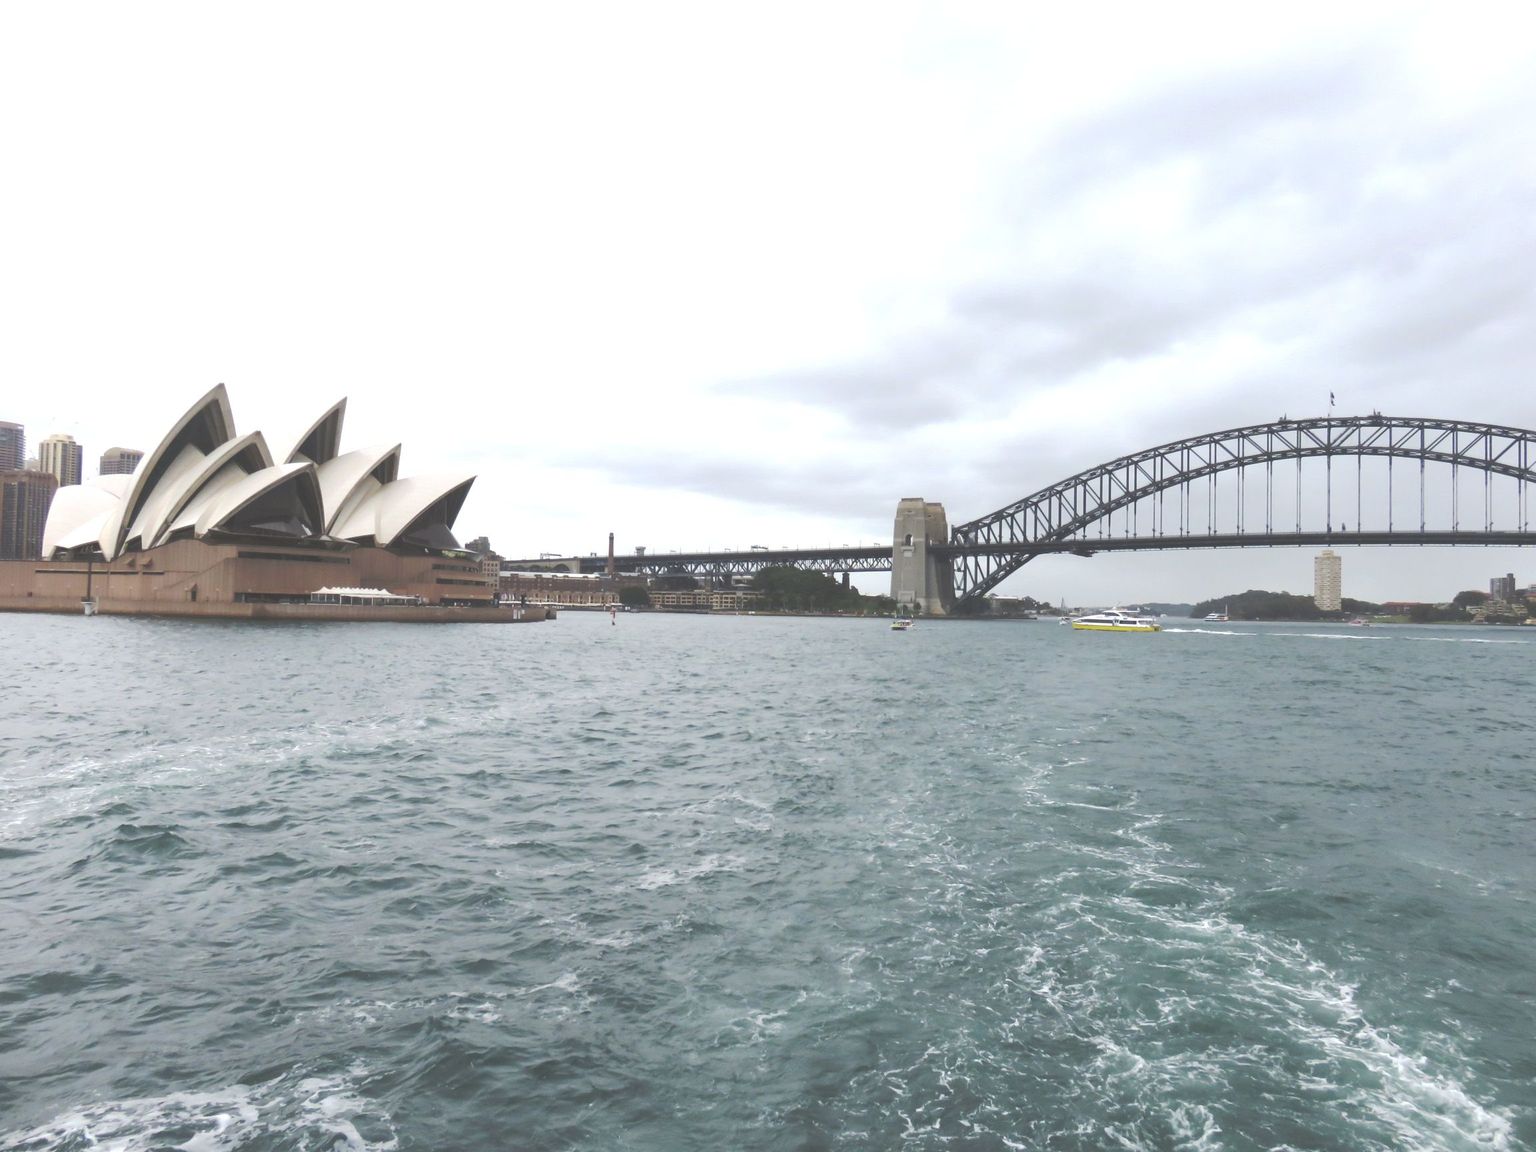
column 876, row 558
column 1088, row 545
column 871, row 558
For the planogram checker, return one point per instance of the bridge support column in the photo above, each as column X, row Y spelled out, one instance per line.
column 918, row 579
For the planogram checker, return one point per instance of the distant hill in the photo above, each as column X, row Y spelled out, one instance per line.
column 1257, row 604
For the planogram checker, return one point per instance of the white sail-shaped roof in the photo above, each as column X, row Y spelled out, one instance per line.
column 389, row 510
column 297, row 481
column 79, row 513
column 184, row 478
column 342, row 477
column 86, row 535
column 442, row 509
column 205, row 426
column 202, row 479
column 209, row 492
column 322, row 441
column 207, row 496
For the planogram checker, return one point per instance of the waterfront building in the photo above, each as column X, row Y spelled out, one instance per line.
column 212, row 518
column 24, row 501
column 60, row 455
column 574, row 589
column 1328, row 580
column 708, row 599
column 490, row 560
column 13, row 447
column 120, row 461
column 525, row 585
column 490, row 566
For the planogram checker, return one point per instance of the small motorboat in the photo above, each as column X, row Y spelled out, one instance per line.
column 901, row 624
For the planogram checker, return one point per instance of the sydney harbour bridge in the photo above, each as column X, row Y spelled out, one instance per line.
column 1329, row 481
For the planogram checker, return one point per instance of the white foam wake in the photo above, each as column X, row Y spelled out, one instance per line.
column 325, row 1111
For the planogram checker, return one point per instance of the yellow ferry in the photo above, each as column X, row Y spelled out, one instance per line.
column 1116, row 620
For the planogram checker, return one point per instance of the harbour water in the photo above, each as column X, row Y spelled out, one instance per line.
column 765, row 883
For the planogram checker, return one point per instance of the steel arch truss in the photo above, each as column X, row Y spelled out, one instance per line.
column 989, row 549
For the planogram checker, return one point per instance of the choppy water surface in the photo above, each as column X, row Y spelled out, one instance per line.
column 756, row 883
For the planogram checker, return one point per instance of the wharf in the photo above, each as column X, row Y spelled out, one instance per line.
column 207, row 610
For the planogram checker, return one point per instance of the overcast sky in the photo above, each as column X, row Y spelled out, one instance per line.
column 711, row 276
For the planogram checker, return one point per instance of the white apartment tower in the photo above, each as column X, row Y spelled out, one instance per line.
column 60, row 455
column 1328, row 580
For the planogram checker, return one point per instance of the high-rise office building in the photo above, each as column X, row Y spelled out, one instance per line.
column 120, row 461
column 1503, row 588
column 1328, row 580
column 13, row 446
column 60, row 455
column 24, row 501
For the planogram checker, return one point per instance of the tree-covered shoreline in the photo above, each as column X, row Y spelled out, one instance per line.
column 1257, row 604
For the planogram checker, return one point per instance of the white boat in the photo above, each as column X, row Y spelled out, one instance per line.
column 1116, row 620
column 1217, row 617
column 900, row 624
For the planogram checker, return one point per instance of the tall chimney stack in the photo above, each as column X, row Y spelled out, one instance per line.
column 612, row 569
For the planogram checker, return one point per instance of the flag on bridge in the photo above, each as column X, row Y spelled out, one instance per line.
column 1330, row 399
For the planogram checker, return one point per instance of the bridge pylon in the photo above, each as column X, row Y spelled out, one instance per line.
column 919, row 579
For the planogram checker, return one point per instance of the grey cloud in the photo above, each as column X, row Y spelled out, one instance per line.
column 1256, row 109
column 1333, row 215
column 1001, row 342
column 1375, row 246
column 759, row 482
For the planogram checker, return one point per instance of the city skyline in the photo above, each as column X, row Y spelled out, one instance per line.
column 116, row 460
column 961, row 257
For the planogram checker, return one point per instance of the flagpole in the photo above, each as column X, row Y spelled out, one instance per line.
column 1328, row 460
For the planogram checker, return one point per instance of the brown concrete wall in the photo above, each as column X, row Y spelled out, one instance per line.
column 202, row 610
column 219, row 574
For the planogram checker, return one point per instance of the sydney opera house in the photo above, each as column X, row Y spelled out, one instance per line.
column 211, row 523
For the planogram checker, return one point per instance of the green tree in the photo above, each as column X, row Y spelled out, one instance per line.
column 634, row 596
column 675, row 581
column 1257, row 604
column 1437, row 614
column 796, row 590
column 1361, row 607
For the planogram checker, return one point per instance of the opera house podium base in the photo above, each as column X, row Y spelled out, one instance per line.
column 196, row 579
column 419, row 614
